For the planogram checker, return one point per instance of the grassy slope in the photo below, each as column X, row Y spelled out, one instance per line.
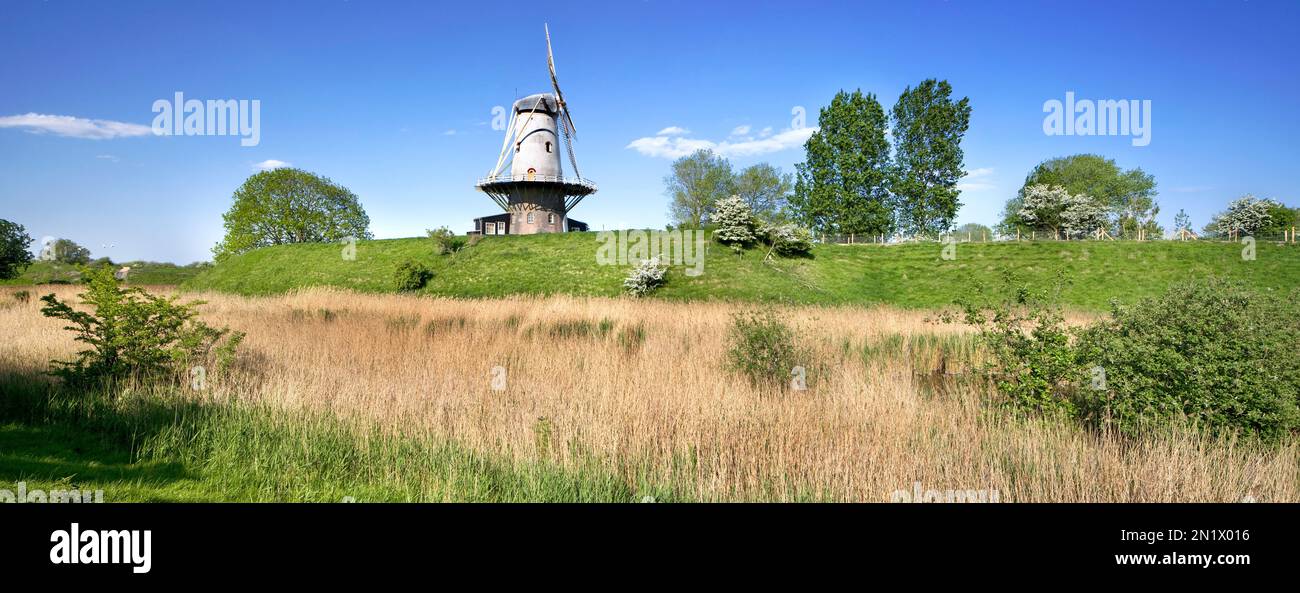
column 142, row 273
column 907, row 275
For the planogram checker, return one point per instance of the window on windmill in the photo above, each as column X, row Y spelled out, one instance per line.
column 548, row 147
column 530, row 218
column 550, row 218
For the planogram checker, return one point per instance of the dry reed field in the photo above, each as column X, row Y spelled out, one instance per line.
column 640, row 387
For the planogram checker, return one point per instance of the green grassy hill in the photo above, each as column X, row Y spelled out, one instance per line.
column 903, row 275
column 142, row 273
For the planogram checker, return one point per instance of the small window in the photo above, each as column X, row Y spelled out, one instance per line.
column 530, row 218
column 548, row 148
column 550, row 218
column 501, row 228
column 517, row 145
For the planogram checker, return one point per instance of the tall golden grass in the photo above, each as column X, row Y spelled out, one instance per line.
column 876, row 417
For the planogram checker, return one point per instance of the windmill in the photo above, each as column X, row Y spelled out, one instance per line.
column 528, row 181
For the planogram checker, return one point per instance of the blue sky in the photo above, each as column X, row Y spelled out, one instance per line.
column 394, row 99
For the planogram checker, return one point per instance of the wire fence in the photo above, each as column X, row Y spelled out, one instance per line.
column 1287, row 236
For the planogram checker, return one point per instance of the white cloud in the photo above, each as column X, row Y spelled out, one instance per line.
column 977, row 179
column 671, row 148
column 107, row 157
column 74, row 127
column 661, row 146
column 269, row 164
column 449, row 133
column 765, row 132
column 740, row 131
column 673, row 131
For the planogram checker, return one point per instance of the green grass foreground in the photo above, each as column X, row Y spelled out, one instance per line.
column 165, row 447
column 911, row 276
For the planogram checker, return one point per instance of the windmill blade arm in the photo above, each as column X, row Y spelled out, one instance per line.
column 505, row 145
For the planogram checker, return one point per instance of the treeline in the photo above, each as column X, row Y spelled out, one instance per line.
column 854, row 179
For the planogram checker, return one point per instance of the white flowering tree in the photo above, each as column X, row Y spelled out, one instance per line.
column 1082, row 216
column 735, row 221
column 1050, row 206
column 1244, row 216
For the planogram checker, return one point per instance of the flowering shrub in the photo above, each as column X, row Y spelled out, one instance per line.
column 789, row 239
column 735, row 222
column 647, row 276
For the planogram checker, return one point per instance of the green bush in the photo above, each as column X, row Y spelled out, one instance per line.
column 1032, row 361
column 22, row 296
column 1211, row 351
column 411, row 275
column 445, row 241
column 1207, row 351
column 763, row 349
column 789, row 240
column 134, row 334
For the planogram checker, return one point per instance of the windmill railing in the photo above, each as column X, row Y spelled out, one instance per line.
column 587, row 183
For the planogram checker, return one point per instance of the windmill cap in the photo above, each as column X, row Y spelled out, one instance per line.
column 544, row 102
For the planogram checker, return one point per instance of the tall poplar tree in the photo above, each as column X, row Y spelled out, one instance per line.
column 843, row 185
column 927, row 128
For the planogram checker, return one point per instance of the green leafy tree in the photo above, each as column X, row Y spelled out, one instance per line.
column 928, row 126
column 696, row 184
column 14, row 256
column 767, row 191
column 65, row 251
column 1129, row 196
column 843, row 185
column 975, row 231
column 1182, row 222
column 285, row 206
column 1281, row 219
